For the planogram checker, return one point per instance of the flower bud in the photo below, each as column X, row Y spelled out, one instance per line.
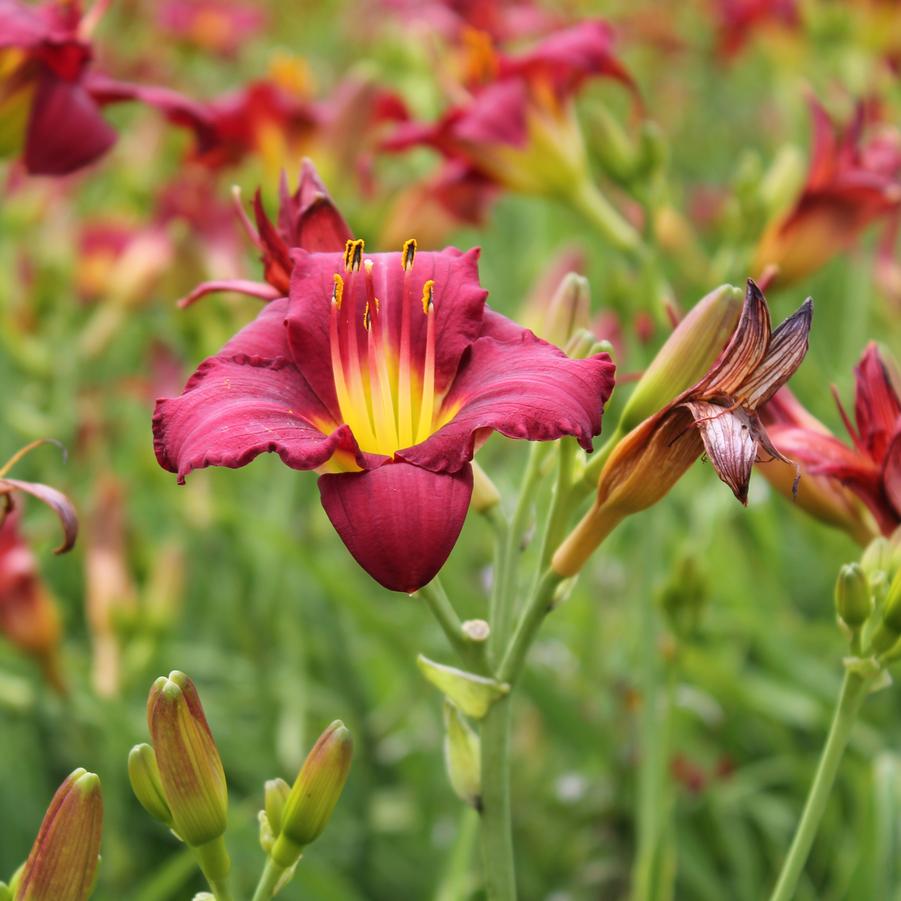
column 275, row 796
column 568, row 310
column 190, row 769
column 144, row 775
column 314, row 794
column 63, row 861
column 686, row 355
column 853, row 601
column 485, row 495
column 891, row 611
column 462, row 756
column 473, row 694
column 5, row 892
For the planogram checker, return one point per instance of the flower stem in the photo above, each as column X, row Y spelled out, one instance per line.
column 445, row 614
column 269, row 878
column 854, row 689
column 497, row 832
column 588, row 201
column 215, row 865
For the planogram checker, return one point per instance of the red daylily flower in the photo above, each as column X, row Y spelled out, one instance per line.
column 739, row 19
column 383, row 373
column 50, row 100
column 307, row 219
column 518, row 129
column 215, row 25
column 871, row 468
column 852, row 182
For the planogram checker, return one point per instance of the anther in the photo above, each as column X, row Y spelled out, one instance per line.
column 367, row 317
column 408, row 254
column 338, row 291
column 428, row 289
column 353, row 254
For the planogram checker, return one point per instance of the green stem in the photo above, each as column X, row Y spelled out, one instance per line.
column 457, row 880
column 269, row 878
column 591, row 204
column 215, row 864
column 445, row 614
column 559, row 512
column 497, row 832
column 854, row 689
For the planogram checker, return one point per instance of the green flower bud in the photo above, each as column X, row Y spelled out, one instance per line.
column 473, row 694
column 275, row 796
column 877, row 557
column 62, row 865
column 5, row 892
column 190, row 770
column 853, row 601
column 462, row 756
column 686, row 355
column 314, row 794
column 891, row 611
column 485, row 495
column 144, row 775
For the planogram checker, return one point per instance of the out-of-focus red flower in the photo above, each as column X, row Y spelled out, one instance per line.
column 739, row 20
column 29, row 617
column 383, row 373
column 50, row 99
column 219, row 26
column 518, row 129
column 307, row 219
column 871, row 467
column 852, row 182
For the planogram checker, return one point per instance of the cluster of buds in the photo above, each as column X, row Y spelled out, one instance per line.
column 295, row 816
column 62, row 864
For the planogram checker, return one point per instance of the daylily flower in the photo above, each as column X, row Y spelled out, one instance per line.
column 383, row 373
column 717, row 415
column 307, row 218
column 871, row 468
column 519, row 129
column 738, row 20
column 215, row 25
column 793, row 430
column 29, row 617
column 50, row 100
column 852, row 182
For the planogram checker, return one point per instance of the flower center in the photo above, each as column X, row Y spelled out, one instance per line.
column 384, row 376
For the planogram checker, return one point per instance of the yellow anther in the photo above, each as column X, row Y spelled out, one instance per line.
column 367, row 317
column 428, row 289
column 338, row 291
column 408, row 254
column 353, row 254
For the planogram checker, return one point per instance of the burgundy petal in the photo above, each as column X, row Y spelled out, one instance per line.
column 877, row 407
column 66, row 130
column 891, row 473
column 260, row 290
column 526, row 389
column 235, row 408
column 498, row 117
column 399, row 522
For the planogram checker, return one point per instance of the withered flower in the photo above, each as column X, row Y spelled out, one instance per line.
column 718, row 415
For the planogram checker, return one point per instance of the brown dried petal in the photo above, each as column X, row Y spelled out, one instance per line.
column 787, row 349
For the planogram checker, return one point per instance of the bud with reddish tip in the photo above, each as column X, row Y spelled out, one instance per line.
column 190, row 770
column 62, row 865
column 314, row 794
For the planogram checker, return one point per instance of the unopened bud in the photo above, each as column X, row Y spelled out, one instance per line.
column 686, row 355
column 144, row 775
column 190, row 769
column 63, row 861
column 275, row 796
column 853, row 602
column 472, row 693
column 314, row 794
column 5, row 892
column 462, row 757
column 877, row 558
column 891, row 611
column 568, row 310
column 485, row 495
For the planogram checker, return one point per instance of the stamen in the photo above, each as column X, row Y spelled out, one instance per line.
column 427, row 408
column 357, row 415
column 353, row 254
column 404, row 380
column 380, row 381
column 341, row 391
column 408, row 254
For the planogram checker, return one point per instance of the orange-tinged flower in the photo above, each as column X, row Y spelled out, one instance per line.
column 852, row 182
column 62, row 864
column 718, row 415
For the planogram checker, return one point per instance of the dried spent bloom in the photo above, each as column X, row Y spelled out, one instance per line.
column 307, row 218
column 190, row 770
column 871, row 467
column 62, row 864
column 851, row 183
column 718, row 415
column 315, row 792
column 384, row 373
column 519, row 130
